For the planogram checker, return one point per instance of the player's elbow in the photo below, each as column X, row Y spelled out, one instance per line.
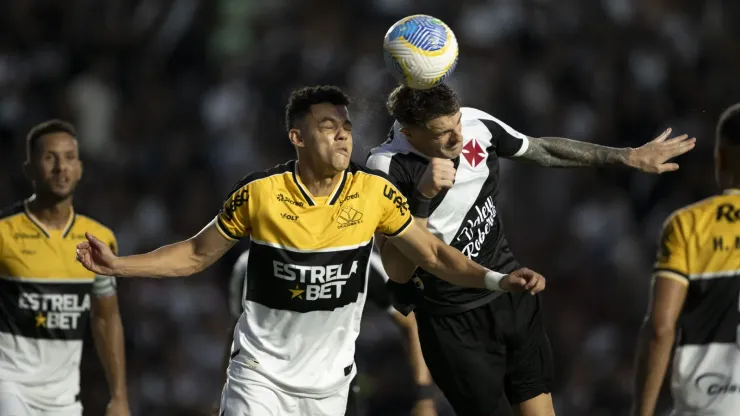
column 658, row 327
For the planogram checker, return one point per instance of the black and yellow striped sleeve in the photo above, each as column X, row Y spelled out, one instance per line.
column 233, row 218
column 672, row 257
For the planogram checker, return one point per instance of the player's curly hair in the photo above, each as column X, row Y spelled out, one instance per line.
column 301, row 100
column 728, row 127
column 417, row 107
column 47, row 127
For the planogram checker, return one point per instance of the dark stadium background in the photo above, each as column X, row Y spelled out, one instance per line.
column 177, row 99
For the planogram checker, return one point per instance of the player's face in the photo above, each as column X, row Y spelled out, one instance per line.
column 55, row 168
column 441, row 137
column 327, row 135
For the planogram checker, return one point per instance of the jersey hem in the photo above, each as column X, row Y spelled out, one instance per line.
column 666, row 271
column 672, row 276
column 268, row 382
column 222, row 229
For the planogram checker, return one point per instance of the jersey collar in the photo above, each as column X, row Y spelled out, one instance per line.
column 40, row 225
column 732, row 191
column 333, row 197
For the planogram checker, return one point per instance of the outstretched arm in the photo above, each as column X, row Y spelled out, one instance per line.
column 448, row 263
column 650, row 157
column 179, row 259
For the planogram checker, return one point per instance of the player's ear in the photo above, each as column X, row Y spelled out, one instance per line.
column 82, row 169
column 406, row 132
column 296, row 138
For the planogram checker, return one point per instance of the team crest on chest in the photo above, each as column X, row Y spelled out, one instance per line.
column 473, row 153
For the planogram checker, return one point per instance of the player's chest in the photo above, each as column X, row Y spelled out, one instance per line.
column 350, row 219
column 27, row 253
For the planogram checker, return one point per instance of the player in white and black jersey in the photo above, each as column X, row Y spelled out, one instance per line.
column 311, row 224
column 378, row 295
column 478, row 343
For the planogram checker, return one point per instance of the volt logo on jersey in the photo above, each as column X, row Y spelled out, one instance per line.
column 473, row 153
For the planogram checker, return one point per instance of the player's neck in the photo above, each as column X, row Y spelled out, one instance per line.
column 318, row 182
column 52, row 212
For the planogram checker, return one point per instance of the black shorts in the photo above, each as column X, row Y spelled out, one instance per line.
column 477, row 356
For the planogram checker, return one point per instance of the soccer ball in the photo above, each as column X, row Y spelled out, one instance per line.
column 420, row 51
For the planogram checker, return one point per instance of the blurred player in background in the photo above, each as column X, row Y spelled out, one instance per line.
column 479, row 343
column 46, row 299
column 695, row 292
column 377, row 294
column 311, row 224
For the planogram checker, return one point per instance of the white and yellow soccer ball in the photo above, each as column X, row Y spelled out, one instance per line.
column 420, row 51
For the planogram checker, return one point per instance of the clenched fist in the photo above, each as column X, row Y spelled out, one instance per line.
column 439, row 175
column 523, row 280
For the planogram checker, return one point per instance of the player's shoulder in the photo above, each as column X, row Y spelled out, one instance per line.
column 470, row 113
column 712, row 206
column 9, row 212
column 88, row 224
column 473, row 117
column 258, row 176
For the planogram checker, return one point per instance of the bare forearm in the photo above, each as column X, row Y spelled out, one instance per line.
column 561, row 152
column 451, row 265
column 653, row 354
column 174, row 260
column 108, row 337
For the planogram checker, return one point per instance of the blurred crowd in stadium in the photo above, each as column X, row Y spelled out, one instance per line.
column 175, row 100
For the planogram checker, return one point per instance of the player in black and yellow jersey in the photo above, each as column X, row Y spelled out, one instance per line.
column 47, row 299
column 695, row 297
column 311, row 224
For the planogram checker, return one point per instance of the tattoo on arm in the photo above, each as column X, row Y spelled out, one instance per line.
column 560, row 152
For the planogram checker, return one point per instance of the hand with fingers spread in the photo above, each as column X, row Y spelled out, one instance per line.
column 439, row 175
column 96, row 256
column 523, row 280
column 652, row 156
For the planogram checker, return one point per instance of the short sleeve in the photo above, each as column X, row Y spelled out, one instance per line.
column 395, row 217
column 233, row 218
column 507, row 141
column 236, row 284
column 672, row 258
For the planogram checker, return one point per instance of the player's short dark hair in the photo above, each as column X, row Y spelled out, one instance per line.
column 728, row 127
column 417, row 107
column 47, row 127
column 301, row 100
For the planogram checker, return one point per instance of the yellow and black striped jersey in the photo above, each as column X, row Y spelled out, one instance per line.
column 45, row 297
column 307, row 272
column 700, row 247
